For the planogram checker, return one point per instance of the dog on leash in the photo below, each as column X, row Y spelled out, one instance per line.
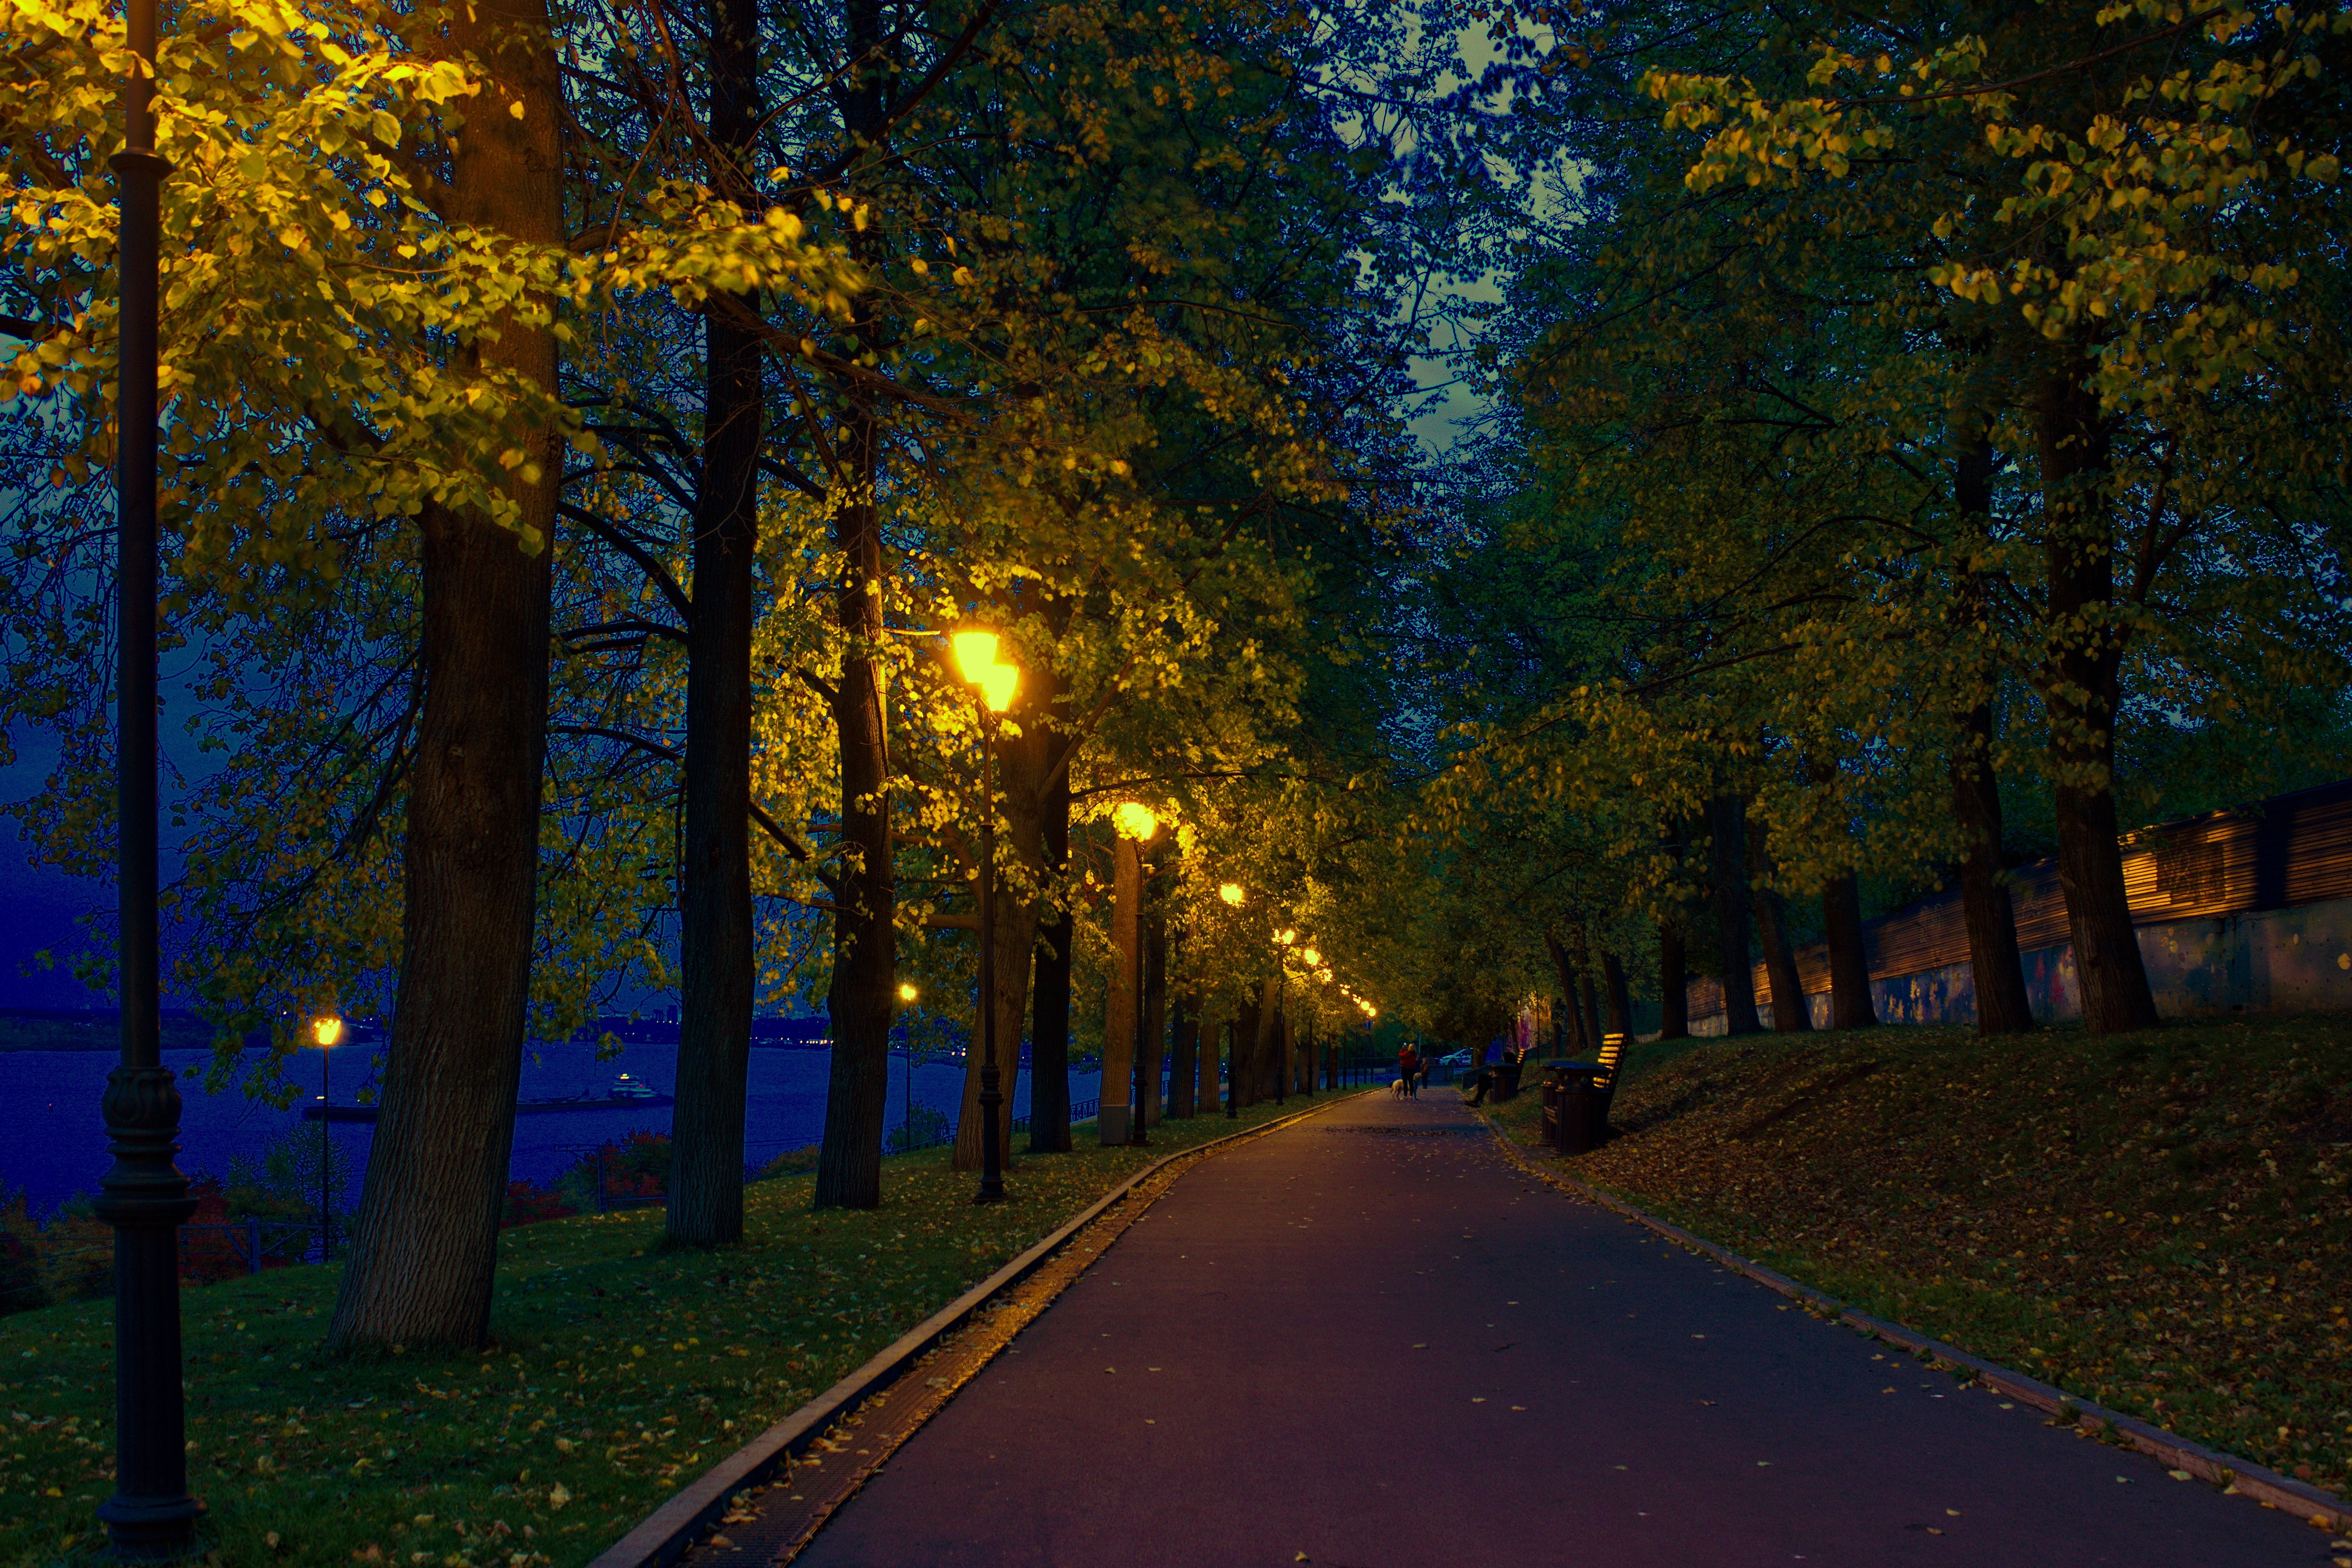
column 1397, row 1089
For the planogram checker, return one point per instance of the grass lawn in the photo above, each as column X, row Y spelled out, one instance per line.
column 620, row 1372
column 2158, row 1222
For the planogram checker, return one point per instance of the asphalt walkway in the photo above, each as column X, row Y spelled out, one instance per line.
column 1367, row 1341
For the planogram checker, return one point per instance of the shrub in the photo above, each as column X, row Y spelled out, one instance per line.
column 528, row 1202
column 791, row 1162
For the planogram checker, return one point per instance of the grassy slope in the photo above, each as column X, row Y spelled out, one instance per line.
column 620, row 1372
column 2158, row 1222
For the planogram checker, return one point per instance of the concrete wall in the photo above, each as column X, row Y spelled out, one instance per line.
column 2271, row 961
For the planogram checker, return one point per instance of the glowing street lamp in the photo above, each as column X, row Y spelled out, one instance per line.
column 1312, row 957
column 1231, row 893
column 325, row 1031
column 907, row 992
column 995, row 682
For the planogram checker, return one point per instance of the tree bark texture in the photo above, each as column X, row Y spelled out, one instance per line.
column 2080, row 680
column 1851, row 1006
column 2003, row 1004
column 1621, row 1001
column 425, row 1252
column 864, row 933
column 1582, row 999
column 1727, row 824
column 1210, row 1098
column 1268, row 1070
column 1154, row 1053
column 1123, row 992
column 1791, row 1014
column 863, row 993
column 1184, row 1046
column 1049, row 1050
column 1242, row 1051
column 1564, row 972
column 1674, row 983
column 715, row 923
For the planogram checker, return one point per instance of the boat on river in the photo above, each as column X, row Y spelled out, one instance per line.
column 627, row 1093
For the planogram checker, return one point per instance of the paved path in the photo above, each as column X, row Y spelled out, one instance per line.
column 1368, row 1340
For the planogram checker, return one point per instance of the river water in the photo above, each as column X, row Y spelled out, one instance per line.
column 53, row 1131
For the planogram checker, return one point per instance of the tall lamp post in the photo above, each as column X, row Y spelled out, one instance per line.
column 326, row 1031
column 1137, row 826
column 993, row 684
column 1230, row 892
column 150, row 1516
column 907, row 994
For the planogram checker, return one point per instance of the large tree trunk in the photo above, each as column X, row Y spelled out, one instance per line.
column 715, row 931
column 864, row 931
column 1152, row 1055
column 1849, row 1004
column 2080, row 681
column 2003, row 1005
column 1266, row 1071
column 425, row 1253
column 1621, row 1001
column 1122, row 995
column 1049, row 1050
column 1674, row 983
column 1184, row 1062
column 1727, row 821
column 1792, row 1015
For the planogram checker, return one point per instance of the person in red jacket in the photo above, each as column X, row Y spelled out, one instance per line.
column 1409, row 1071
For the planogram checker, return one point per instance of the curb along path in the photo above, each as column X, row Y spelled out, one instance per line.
column 2237, row 1477
column 1370, row 1341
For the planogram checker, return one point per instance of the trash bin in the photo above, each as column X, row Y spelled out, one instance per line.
column 1576, row 1107
column 1506, row 1080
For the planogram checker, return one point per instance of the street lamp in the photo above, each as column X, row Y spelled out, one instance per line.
column 1137, row 824
column 326, row 1031
column 144, row 1196
column 994, row 683
column 1231, row 893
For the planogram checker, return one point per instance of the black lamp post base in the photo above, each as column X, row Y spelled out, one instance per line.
column 152, row 1529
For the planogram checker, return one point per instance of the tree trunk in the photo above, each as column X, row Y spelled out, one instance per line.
column 1122, row 993
column 1621, row 1002
column 1792, row 1015
column 1849, row 1004
column 1588, row 1008
column 1564, row 971
column 2003, row 1005
column 425, row 1253
column 1212, row 1040
column 1152, row 1057
column 865, row 934
column 1242, row 1055
column 715, row 930
column 1727, row 822
column 1049, row 1050
column 1182, row 1102
column 1268, row 1071
column 1674, row 983
column 2080, row 683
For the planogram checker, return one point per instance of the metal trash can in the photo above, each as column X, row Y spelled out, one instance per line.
column 1506, row 1080
column 1576, row 1107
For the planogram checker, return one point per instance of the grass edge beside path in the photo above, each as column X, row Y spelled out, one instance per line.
column 2156, row 1222
column 619, row 1371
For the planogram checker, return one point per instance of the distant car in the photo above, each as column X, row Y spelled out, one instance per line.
column 1458, row 1059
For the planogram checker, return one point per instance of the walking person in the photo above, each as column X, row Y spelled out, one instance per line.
column 1409, row 1071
